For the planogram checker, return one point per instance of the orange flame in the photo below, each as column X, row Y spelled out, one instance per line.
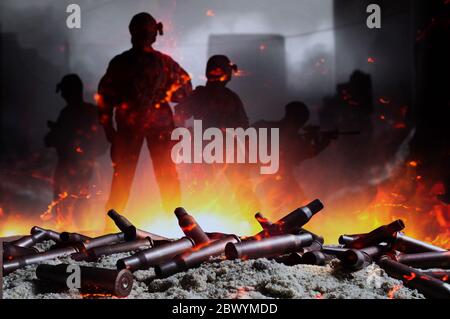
column 391, row 293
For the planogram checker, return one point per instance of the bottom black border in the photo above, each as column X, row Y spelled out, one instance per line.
column 164, row 308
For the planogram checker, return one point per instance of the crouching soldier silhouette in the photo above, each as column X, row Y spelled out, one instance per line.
column 78, row 140
column 135, row 93
column 219, row 107
column 281, row 191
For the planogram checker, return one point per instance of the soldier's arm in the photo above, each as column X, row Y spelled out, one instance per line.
column 106, row 98
column 317, row 144
column 180, row 86
column 184, row 110
column 241, row 116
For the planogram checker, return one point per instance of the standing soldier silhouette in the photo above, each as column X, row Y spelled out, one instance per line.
column 215, row 104
column 219, row 107
column 135, row 93
column 78, row 141
column 281, row 191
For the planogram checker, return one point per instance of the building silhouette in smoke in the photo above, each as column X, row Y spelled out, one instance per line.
column 261, row 82
column 135, row 93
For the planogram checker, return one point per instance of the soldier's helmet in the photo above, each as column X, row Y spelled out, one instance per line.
column 144, row 29
column 220, row 69
column 70, row 86
column 297, row 113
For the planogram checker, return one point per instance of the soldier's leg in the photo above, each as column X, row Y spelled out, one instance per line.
column 83, row 188
column 160, row 147
column 242, row 187
column 125, row 152
column 62, row 189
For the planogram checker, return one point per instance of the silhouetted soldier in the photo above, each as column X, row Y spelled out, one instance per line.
column 137, row 89
column 215, row 104
column 352, row 108
column 219, row 107
column 281, row 190
column 78, row 140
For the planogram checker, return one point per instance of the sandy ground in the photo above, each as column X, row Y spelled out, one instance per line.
column 226, row 279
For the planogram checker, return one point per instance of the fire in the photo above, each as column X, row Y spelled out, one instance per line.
column 242, row 293
column 391, row 293
column 47, row 215
column 14, row 225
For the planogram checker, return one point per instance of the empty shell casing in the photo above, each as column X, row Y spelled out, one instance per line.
column 30, row 240
column 123, row 224
column 384, row 233
column 334, row 251
column 426, row 260
column 347, row 239
column 409, row 245
column 263, row 221
column 296, row 258
column 443, row 275
column 293, row 221
column 190, row 227
column 266, row 224
column 49, row 234
column 130, row 231
column 102, row 240
column 11, row 251
column 216, row 236
column 95, row 253
column 142, row 234
column 155, row 256
column 12, row 265
column 289, row 259
column 267, row 247
column 415, row 279
column 93, row 280
column 67, row 237
column 356, row 259
column 194, row 256
column 316, row 245
column 317, row 258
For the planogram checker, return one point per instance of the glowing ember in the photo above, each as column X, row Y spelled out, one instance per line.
column 391, row 293
column 413, row 164
column 410, row 277
column 384, row 100
column 241, row 73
